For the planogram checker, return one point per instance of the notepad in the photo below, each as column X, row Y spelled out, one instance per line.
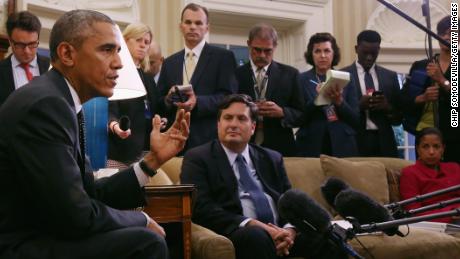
column 333, row 77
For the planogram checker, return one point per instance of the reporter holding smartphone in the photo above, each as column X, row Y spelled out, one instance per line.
column 378, row 92
column 208, row 69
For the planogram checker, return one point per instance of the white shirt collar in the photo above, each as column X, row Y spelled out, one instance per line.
column 232, row 155
column 196, row 50
column 254, row 67
column 361, row 69
column 15, row 62
column 75, row 98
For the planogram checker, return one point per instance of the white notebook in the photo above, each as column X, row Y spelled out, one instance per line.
column 333, row 77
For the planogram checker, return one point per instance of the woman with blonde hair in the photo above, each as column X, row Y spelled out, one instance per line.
column 126, row 145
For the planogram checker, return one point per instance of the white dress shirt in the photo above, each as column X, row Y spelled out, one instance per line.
column 247, row 204
column 369, row 124
column 19, row 74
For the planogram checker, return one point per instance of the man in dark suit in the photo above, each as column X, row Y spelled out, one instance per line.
column 239, row 184
column 378, row 90
column 23, row 64
column 274, row 87
column 51, row 205
column 210, row 71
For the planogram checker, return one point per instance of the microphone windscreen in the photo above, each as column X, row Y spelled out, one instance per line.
column 352, row 203
column 303, row 212
column 315, row 224
column 331, row 187
column 125, row 123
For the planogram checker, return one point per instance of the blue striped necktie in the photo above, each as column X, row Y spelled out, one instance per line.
column 261, row 204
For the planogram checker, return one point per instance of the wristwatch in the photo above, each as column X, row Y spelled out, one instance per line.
column 150, row 172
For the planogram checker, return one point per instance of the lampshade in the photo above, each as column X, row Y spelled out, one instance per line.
column 129, row 84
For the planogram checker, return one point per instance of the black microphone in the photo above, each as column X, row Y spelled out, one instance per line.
column 315, row 223
column 331, row 187
column 352, row 203
column 125, row 123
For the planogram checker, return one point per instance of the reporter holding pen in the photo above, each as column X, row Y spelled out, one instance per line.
column 429, row 174
column 327, row 129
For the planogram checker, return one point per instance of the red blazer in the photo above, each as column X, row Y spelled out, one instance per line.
column 418, row 179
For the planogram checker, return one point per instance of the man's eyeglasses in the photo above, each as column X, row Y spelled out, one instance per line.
column 21, row 45
column 267, row 51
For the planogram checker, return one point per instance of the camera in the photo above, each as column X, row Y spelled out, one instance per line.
column 180, row 93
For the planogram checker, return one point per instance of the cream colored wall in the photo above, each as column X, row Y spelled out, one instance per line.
column 346, row 27
column 163, row 16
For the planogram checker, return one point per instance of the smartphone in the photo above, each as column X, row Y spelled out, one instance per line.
column 377, row 93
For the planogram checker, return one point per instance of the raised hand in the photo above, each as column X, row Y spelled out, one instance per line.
column 165, row 145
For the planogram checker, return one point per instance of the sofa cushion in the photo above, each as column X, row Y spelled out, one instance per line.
column 419, row 244
column 393, row 166
column 369, row 177
column 161, row 178
column 393, row 184
column 206, row 244
column 307, row 175
column 173, row 168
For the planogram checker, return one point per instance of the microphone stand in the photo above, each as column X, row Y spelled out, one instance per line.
column 396, row 207
column 438, row 205
column 369, row 228
column 414, row 22
column 426, row 13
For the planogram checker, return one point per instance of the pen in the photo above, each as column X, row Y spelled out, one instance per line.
column 314, row 82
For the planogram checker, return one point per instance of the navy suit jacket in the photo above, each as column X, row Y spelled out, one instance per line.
column 416, row 85
column 342, row 132
column 44, row 189
column 212, row 79
column 7, row 79
column 389, row 85
column 217, row 205
column 284, row 90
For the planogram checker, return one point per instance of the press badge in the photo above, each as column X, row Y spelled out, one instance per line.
column 331, row 115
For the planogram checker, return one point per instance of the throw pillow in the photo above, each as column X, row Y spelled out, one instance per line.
column 368, row 177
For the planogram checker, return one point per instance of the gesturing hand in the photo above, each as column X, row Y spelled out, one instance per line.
column 164, row 146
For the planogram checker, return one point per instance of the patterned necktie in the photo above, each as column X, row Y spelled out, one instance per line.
column 26, row 67
column 261, row 204
column 260, row 84
column 369, row 82
column 81, row 133
column 189, row 67
column 260, row 95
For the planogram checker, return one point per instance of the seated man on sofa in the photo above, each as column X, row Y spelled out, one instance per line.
column 239, row 185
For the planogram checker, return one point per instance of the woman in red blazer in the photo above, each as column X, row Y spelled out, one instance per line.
column 429, row 174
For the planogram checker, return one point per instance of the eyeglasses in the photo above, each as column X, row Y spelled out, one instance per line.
column 21, row 45
column 267, row 51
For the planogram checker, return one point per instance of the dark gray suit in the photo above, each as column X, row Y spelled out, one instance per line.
column 218, row 206
column 389, row 85
column 284, row 90
column 51, row 206
column 7, row 79
column 212, row 79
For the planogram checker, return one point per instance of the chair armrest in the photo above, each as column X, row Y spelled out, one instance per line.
column 206, row 244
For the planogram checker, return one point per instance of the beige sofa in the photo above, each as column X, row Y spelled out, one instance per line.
column 378, row 177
